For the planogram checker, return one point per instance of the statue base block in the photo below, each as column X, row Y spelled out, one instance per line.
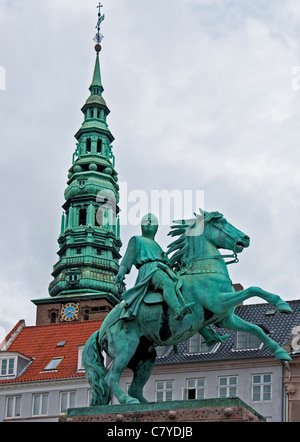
column 198, row 410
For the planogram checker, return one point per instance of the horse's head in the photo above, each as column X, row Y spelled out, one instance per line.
column 223, row 234
column 207, row 228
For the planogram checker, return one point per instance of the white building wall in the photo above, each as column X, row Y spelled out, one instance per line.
column 178, row 373
column 272, row 410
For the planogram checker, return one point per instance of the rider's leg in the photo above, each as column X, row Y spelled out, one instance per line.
column 161, row 280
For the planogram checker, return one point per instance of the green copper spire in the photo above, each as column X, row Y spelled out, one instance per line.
column 90, row 238
column 96, row 87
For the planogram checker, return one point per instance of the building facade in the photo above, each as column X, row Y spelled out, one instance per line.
column 41, row 372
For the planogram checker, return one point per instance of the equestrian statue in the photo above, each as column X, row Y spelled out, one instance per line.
column 176, row 295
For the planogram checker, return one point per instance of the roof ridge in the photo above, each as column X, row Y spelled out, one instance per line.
column 11, row 336
column 65, row 323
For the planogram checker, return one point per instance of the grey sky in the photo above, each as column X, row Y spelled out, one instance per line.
column 201, row 97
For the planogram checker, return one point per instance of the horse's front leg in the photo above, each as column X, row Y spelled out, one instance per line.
column 227, row 300
column 233, row 322
column 275, row 300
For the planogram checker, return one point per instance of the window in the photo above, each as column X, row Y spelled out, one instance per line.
column 261, row 387
column 161, row 350
column 88, row 145
column 196, row 344
column 40, row 404
column 80, row 366
column 73, row 278
column 53, row 317
column 82, row 217
column 67, row 400
column 13, row 406
column 99, row 146
column 61, row 344
column 164, row 391
column 227, row 386
column 53, row 364
column 7, row 367
column 194, row 389
column 245, row 341
column 99, row 217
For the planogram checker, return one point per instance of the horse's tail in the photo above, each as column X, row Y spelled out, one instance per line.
column 95, row 371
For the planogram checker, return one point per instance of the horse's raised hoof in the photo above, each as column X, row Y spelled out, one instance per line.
column 132, row 400
column 283, row 307
column 282, row 355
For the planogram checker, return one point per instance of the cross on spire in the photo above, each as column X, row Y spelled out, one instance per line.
column 99, row 37
column 99, row 7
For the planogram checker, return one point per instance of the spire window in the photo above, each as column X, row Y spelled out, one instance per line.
column 88, row 145
column 99, row 146
column 99, row 218
column 82, row 217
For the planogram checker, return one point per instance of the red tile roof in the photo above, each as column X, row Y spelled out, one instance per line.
column 40, row 343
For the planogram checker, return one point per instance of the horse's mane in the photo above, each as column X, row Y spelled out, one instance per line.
column 187, row 228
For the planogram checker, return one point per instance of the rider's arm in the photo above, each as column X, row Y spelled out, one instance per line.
column 127, row 261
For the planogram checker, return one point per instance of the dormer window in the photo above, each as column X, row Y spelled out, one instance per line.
column 7, row 367
column 12, row 364
column 196, row 344
column 246, row 341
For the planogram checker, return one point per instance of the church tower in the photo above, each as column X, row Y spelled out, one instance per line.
column 83, row 284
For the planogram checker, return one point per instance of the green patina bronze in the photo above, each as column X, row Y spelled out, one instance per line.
column 157, row 310
column 154, row 273
column 89, row 241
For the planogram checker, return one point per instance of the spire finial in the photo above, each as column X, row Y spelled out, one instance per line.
column 99, row 37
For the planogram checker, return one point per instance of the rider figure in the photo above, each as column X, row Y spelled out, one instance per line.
column 153, row 272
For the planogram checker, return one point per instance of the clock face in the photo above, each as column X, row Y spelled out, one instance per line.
column 69, row 312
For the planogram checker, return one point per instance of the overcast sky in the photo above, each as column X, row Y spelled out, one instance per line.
column 202, row 95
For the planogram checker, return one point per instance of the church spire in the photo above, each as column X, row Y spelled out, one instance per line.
column 90, row 238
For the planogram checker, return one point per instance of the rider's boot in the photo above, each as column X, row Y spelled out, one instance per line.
column 211, row 336
column 182, row 311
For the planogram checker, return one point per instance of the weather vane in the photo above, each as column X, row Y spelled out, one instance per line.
column 99, row 37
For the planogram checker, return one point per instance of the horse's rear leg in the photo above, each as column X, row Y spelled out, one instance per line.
column 233, row 322
column 141, row 365
column 123, row 344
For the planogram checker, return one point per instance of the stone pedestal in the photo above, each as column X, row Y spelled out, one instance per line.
column 202, row 410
